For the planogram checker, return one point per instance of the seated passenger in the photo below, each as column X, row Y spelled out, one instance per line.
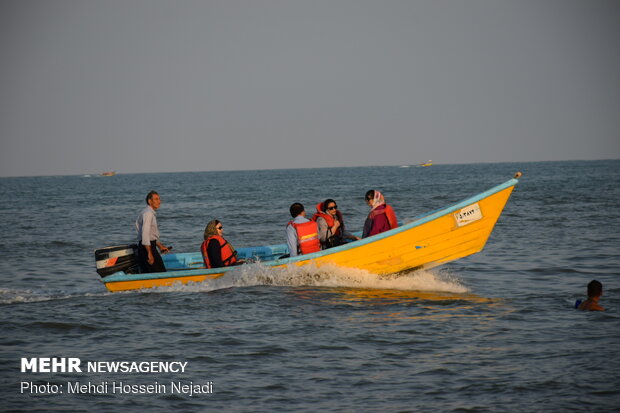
column 381, row 217
column 302, row 235
column 332, row 231
column 216, row 251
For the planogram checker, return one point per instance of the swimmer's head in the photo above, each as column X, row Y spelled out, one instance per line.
column 595, row 289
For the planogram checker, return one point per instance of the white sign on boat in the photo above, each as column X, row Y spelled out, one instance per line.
column 467, row 215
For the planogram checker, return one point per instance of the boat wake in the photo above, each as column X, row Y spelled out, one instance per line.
column 15, row 296
column 252, row 275
column 329, row 276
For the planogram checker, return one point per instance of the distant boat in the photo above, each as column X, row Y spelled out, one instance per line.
column 427, row 163
column 435, row 238
column 109, row 173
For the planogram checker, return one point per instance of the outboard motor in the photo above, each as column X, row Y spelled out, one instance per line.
column 114, row 259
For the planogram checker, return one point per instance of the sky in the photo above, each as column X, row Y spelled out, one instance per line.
column 164, row 86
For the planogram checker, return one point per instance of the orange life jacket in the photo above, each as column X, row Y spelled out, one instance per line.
column 227, row 252
column 389, row 213
column 307, row 236
column 329, row 218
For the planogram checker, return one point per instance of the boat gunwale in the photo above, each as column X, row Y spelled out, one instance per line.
column 420, row 220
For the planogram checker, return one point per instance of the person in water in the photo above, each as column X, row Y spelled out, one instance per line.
column 332, row 230
column 302, row 234
column 595, row 291
column 149, row 258
column 381, row 217
column 216, row 251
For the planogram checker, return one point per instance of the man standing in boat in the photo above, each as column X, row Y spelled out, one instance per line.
column 148, row 236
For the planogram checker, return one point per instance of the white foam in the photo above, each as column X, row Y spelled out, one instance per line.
column 10, row 296
column 328, row 276
column 251, row 275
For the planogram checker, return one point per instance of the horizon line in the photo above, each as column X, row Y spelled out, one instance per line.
column 302, row 168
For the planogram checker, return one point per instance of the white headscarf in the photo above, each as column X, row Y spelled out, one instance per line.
column 377, row 200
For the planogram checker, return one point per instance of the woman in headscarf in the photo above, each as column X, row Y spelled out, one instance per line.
column 216, row 251
column 381, row 217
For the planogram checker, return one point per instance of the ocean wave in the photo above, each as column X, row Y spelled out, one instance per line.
column 62, row 326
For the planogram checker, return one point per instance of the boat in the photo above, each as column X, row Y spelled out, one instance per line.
column 431, row 239
column 108, row 173
column 427, row 163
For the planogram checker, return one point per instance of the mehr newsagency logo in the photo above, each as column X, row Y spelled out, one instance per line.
column 75, row 365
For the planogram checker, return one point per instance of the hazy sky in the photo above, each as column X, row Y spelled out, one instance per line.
column 157, row 86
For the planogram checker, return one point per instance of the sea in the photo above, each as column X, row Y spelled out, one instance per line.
column 493, row 332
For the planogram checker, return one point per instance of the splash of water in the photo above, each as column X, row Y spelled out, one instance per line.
column 257, row 274
column 11, row 296
column 328, row 275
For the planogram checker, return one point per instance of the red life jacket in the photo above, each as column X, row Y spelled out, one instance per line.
column 307, row 236
column 227, row 252
column 329, row 218
column 389, row 213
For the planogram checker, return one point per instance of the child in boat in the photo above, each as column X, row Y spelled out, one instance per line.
column 595, row 291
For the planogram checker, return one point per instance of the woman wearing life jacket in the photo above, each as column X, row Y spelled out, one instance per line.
column 332, row 230
column 216, row 251
column 381, row 217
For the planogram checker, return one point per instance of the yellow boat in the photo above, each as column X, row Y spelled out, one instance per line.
column 429, row 240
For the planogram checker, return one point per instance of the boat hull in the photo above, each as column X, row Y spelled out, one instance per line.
column 433, row 239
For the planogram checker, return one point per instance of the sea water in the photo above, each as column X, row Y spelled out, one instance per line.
column 493, row 332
